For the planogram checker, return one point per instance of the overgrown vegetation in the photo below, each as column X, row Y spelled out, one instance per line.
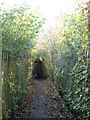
column 74, row 75
column 20, row 26
column 66, row 53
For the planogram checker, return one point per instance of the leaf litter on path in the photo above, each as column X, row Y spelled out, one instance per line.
column 41, row 101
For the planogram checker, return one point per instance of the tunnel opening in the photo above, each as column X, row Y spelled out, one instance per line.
column 39, row 70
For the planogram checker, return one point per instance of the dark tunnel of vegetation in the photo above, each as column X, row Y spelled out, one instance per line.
column 39, row 70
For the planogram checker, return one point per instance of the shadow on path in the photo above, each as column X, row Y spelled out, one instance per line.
column 39, row 102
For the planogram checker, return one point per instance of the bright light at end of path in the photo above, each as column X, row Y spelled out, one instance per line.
column 52, row 8
column 48, row 8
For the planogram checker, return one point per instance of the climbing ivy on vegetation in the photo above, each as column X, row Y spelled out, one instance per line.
column 73, row 75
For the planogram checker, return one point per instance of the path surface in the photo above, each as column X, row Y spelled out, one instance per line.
column 41, row 101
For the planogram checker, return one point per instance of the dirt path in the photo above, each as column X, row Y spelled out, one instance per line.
column 39, row 107
column 40, row 102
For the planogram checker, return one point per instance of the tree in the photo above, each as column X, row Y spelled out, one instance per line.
column 19, row 29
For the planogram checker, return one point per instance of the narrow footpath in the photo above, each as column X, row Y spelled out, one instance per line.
column 41, row 101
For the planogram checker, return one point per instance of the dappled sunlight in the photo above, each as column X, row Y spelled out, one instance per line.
column 45, row 59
